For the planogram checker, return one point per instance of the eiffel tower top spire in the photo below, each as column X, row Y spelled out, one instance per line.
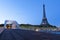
column 44, row 15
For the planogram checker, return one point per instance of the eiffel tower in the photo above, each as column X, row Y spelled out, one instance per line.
column 44, row 22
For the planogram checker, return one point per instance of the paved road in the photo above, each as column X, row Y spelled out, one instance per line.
column 1, row 29
column 18, row 34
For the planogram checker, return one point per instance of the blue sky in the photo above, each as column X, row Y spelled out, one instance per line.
column 30, row 11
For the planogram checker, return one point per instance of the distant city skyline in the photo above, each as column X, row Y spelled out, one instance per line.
column 30, row 11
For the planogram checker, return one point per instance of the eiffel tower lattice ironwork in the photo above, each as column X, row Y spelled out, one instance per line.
column 44, row 20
